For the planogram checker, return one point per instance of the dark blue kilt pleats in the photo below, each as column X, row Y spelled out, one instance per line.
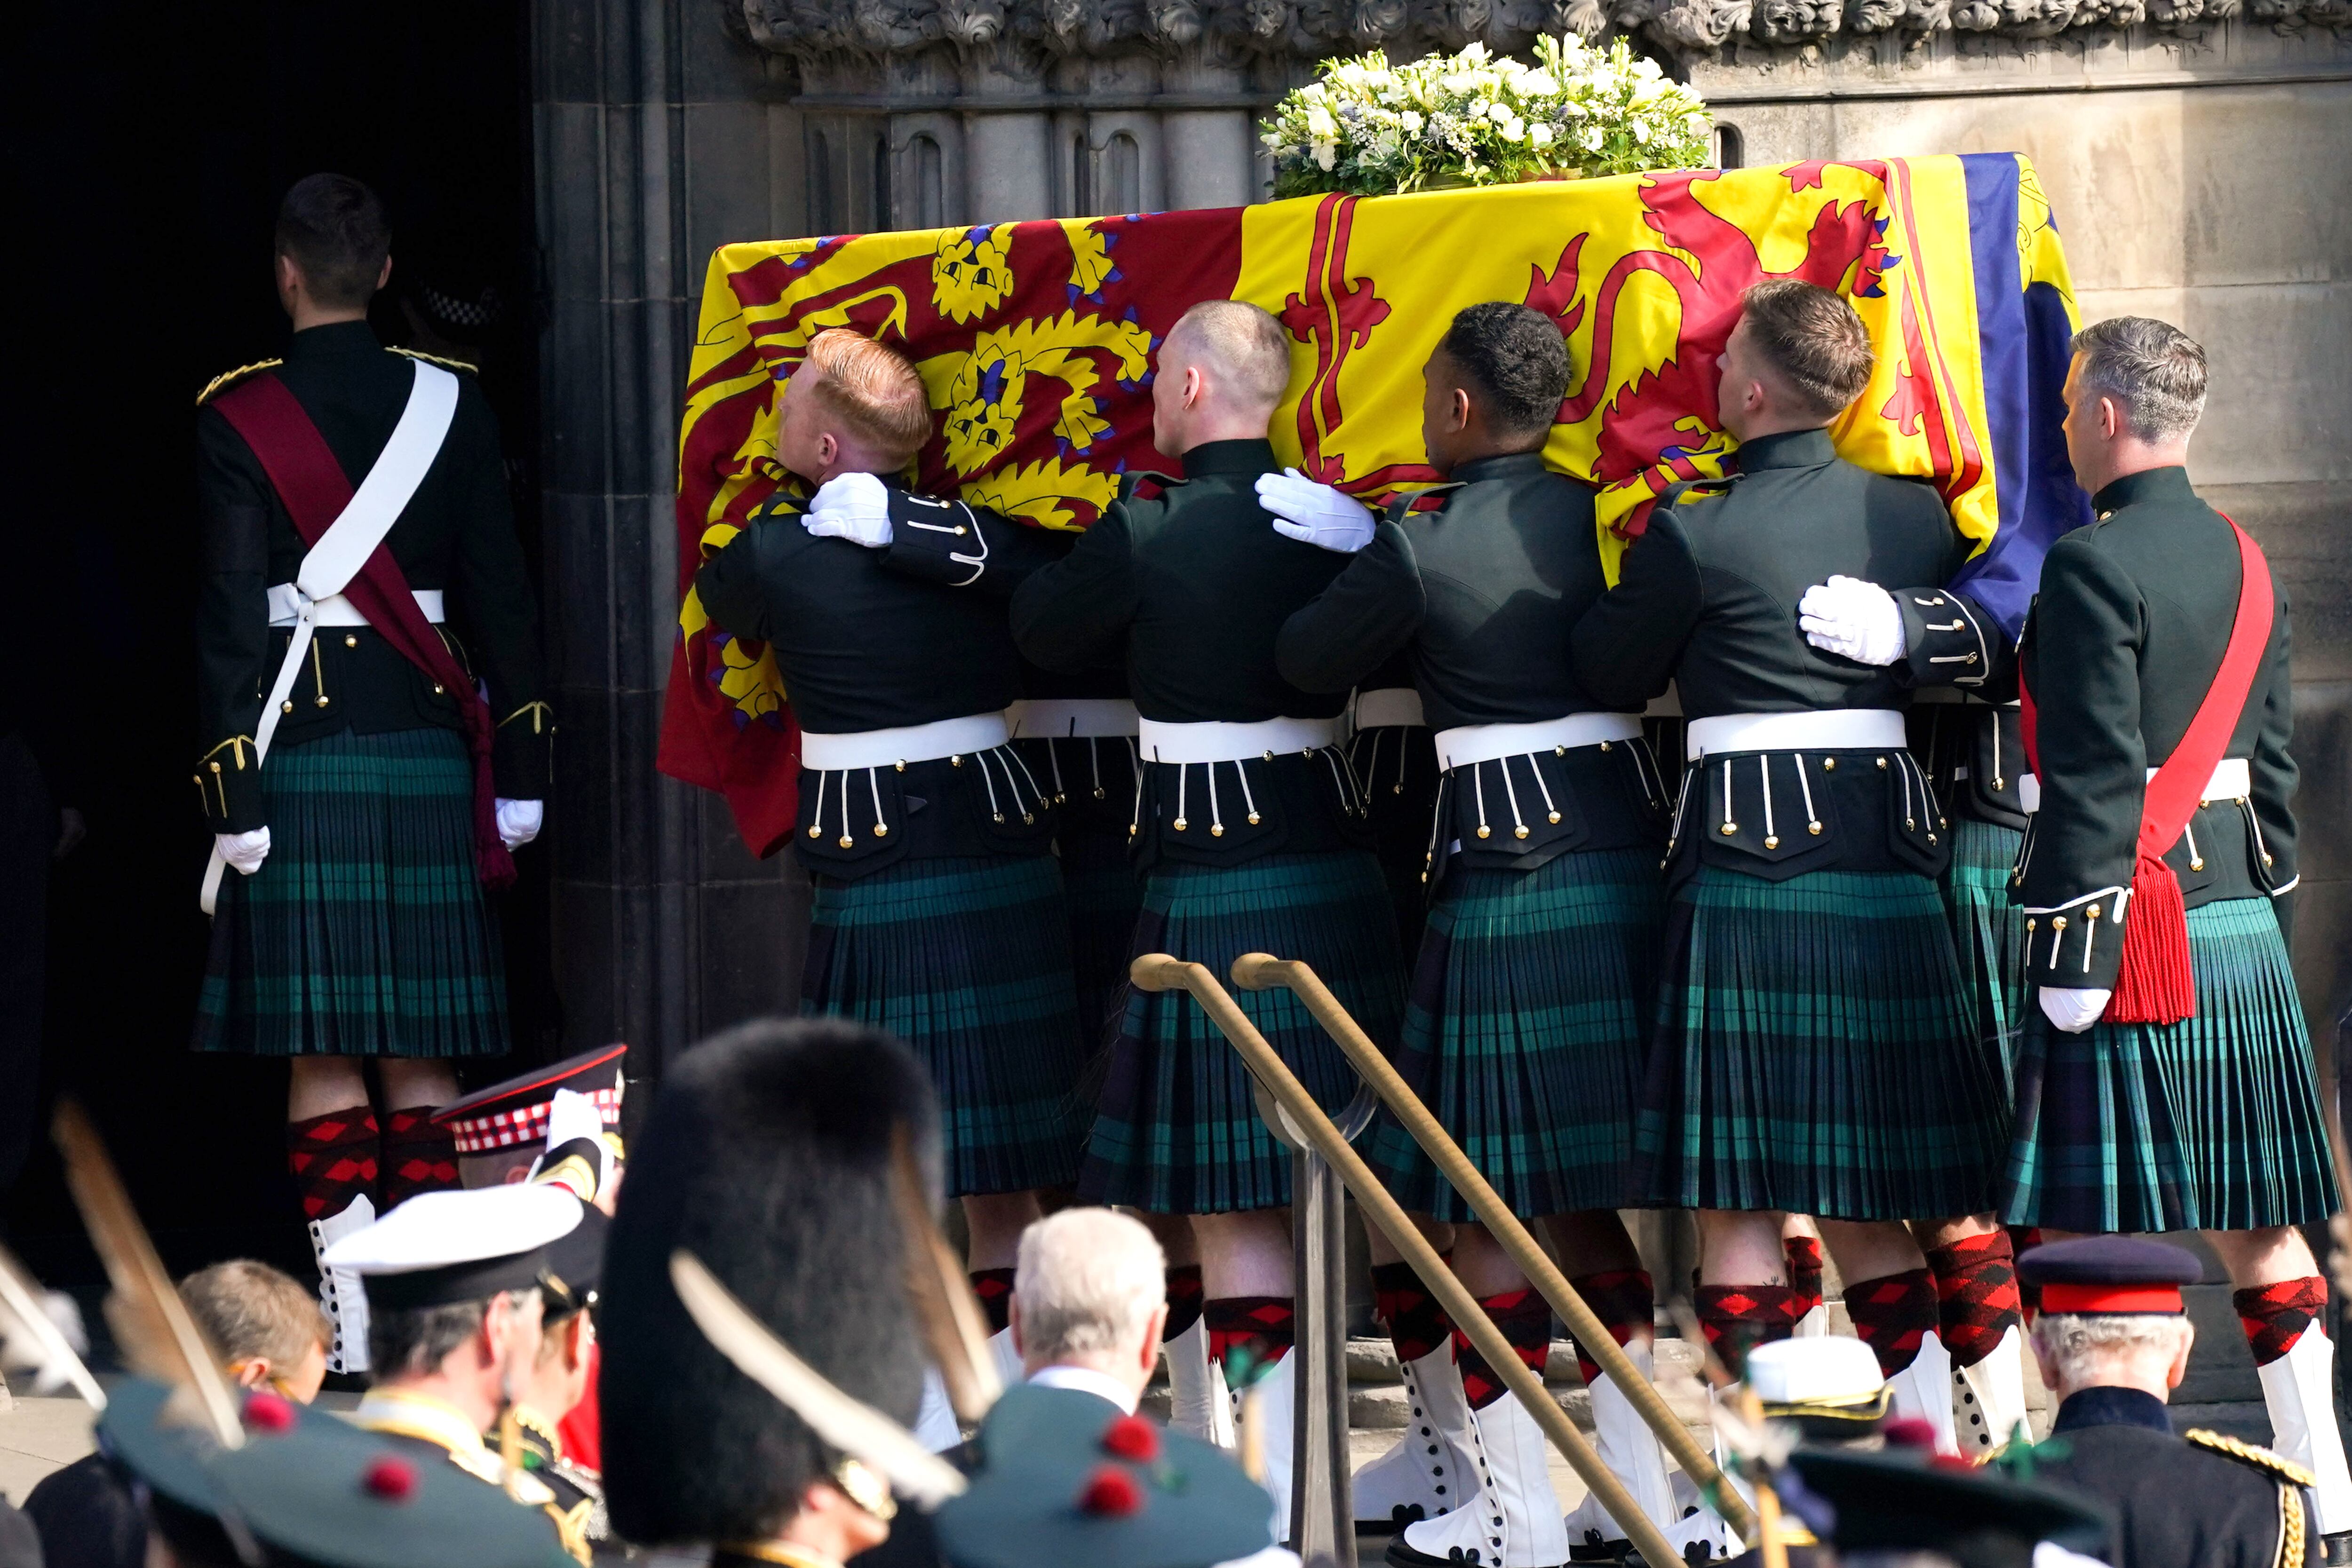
column 1525, row 1036
column 366, row 931
column 1988, row 933
column 1176, row 1131
column 1105, row 896
column 967, row 959
column 2213, row 1123
column 1814, row 1053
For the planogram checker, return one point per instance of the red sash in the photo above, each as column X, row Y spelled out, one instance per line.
column 2155, row 984
column 304, row 472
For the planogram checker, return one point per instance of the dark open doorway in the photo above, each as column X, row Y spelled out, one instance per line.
column 148, row 148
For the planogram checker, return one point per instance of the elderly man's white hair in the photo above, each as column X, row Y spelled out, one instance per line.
column 1086, row 1281
column 1242, row 347
column 2082, row 1345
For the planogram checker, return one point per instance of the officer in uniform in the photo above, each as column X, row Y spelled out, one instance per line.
column 939, row 911
column 1249, row 824
column 355, row 926
column 497, row 1256
column 2167, row 1080
column 2113, row 1340
column 307, row 1492
column 1532, row 998
column 1814, row 1050
column 768, row 1157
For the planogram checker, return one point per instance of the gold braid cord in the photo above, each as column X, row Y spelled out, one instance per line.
column 2291, row 1545
column 229, row 377
column 435, row 360
column 2294, row 1537
column 543, row 717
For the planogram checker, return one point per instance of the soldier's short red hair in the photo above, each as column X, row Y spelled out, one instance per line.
column 872, row 389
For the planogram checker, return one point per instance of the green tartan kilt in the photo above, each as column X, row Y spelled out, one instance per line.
column 1988, row 933
column 366, row 931
column 1176, row 1131
column 1526, row 1032
column 967, row 958
column 2213, row 1123
column 1105, row 896
column 1814, row 1053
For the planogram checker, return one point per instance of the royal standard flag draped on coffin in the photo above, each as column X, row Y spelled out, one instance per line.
column 1037, row 341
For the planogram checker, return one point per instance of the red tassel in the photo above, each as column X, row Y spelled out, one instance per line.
column 2155, row 984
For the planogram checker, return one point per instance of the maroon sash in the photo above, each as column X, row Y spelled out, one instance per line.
column 312, row 484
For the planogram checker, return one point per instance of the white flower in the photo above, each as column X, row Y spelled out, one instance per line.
column 1313, row 92
column 1536, row 84
column 1500, row 113
column 1325, row 154
column 1592, row 139
column 1539, row 134
column 1475, row 52
column 1411, row 122
column 1321, row 126
column 1515, row 130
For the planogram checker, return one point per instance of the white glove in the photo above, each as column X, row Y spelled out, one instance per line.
column 1316, row 514
column 243, row 851
column 852, row 506
column 519, row 820
column 2072, row 1012
column 1852, row 619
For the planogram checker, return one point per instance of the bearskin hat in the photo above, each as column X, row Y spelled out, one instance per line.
column 767, row 1156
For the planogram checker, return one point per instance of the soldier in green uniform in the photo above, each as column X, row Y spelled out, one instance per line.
column 1814, row 1050
column 1249, row 824
column 2166, row 1081
column 2113, row 1338
column 1533, row 994
column 354, row 927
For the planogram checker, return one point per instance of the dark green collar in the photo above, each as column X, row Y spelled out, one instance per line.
column 2169, row 484
column 1244, row 457
column 1789, row 449
column 1507, row 465
column 336, row 340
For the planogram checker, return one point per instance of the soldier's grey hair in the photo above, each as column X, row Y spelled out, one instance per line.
column 1240, row 345
column 2080, row 1342
column 1086, row 1281
column 2154, row 371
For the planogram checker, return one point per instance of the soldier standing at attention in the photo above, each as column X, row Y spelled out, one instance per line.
column 1248, row 822
column 2166, row 1081
column 1532, row 998
column 938, row 911
column 1814, row 1050
column 356, row 928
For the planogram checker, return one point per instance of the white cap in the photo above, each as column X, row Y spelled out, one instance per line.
column 457, row 1246
column 1822, row 1369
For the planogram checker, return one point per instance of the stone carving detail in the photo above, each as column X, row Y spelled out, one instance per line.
column 1025, row 36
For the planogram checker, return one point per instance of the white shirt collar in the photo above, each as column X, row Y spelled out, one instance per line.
column 1085, row 1380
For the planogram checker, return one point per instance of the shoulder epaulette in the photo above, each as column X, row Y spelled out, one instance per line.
column 438, row 360
column 2277, row 1466
column 1406, row 500
column 1135, row 479
column 228, row 377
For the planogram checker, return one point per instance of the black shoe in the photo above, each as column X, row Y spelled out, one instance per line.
column 1400, row 1516
column 1592, row 1549
column 2336, row 1549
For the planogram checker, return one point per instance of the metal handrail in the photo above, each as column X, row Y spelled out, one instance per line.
column 1160, row 972
column 1261, row 971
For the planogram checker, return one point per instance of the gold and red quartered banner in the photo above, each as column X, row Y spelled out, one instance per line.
column 1037, row 341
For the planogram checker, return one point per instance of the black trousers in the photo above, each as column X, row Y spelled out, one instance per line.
column 28, row 832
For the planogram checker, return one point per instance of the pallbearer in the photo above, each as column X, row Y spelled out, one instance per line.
column 938, row 911
column 1249, row 823
column 2166, row 1081
column 1814, row 1050
column 1532, row 997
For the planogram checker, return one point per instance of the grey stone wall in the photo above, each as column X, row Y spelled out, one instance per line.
column 2200, row 160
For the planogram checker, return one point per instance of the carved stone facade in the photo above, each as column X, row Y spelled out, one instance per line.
column 2199, row 154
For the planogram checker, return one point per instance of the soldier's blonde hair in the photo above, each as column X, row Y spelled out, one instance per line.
column 872, row 389
column 1240, row 345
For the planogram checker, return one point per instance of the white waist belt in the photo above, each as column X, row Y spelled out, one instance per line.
column 1388, row 707
column 285, row 607
column 1485, row 742
column 2231, row 781
column 1075, row 718
column 1834, row 730
column 1232, row 742
column 910, row 743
